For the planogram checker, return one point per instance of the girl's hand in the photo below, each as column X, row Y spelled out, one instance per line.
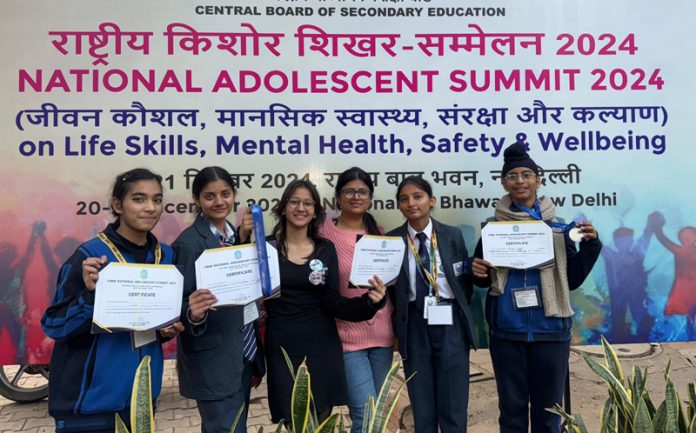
column 247, row 227
column 376, row 294
column 200, row 302
column 172, row 330
column 90, row 271
column 480, row 267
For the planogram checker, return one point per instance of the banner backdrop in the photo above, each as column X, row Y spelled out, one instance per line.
column 278, row 90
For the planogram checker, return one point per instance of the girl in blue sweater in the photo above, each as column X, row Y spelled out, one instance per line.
column 92, row 374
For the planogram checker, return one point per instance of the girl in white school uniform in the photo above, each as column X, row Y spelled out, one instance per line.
column 432, row 314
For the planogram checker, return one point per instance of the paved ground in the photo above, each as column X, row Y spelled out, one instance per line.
column 178, row 415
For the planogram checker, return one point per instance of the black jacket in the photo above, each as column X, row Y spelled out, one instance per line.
column 210, row 357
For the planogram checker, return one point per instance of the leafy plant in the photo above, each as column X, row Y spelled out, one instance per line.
column 304, row 415
column 377, row 419
column 141, row 414
column 629, row 407
column 303, row 412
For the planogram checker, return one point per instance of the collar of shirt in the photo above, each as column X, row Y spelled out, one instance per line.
column 442, row 283
column 220, row 236
column 428, row 230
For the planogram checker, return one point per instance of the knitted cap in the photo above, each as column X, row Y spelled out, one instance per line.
column 516, row 156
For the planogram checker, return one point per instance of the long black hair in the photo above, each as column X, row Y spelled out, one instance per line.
column 279, row 232
column 357, row 173
column 124, row 181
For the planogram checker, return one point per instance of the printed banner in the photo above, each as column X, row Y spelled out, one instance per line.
column 279, row 90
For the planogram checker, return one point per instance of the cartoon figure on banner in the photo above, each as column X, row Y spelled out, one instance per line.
column 682, row 297
column 12, row 305
column 627, row 280
column 62, row 250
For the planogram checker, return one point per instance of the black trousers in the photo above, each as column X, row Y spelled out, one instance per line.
column 217, row 416
column 439, row 355
column 530, row 377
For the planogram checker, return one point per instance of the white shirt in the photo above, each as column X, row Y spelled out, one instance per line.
column 228, row 236
column 413, row 271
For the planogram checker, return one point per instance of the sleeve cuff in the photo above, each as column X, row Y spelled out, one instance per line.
column 467, row 266
column 200, row 322
column 379, row 305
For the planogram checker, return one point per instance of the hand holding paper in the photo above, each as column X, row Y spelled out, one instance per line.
column 377, row 255
column 377, row 293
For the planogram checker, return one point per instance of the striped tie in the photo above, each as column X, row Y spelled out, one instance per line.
column 422, row 283
column 249, row 342
column 248, row 332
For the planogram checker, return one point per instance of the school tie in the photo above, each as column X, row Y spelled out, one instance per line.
column 249, row 342
column 422, row 285
column 248, row 332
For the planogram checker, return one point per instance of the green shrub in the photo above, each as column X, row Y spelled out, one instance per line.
column 629, row 408
column 304, row 416
column 303, row 412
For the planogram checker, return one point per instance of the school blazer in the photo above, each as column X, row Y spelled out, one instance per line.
column 209, row 356
column 450, row 245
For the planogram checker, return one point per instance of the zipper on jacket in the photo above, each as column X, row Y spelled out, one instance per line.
column 530, row 334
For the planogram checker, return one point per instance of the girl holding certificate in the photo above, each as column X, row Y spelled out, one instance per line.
column 528, row 310
column 367, row 345
column 218, row 355
column 432, row 313
column 92, row 374
column 302, row 319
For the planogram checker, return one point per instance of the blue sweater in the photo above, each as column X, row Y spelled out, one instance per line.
column 531, row 324
column 92, row 374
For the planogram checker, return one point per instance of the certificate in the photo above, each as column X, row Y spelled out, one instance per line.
column 377, row 255
column 518, row 244
column 232, row 273
column 137, row 297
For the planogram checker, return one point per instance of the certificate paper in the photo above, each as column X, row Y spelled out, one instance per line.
column 232, row 273
column 518, row 244
column 136, row 297
column 377, row 255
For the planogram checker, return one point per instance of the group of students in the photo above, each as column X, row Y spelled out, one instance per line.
column 345, row 333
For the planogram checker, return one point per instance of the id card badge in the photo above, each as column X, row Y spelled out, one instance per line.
column 440, row 314
column 142, row 338
column 525, row 297
column 458, row 268
column 429, row 302
column 251, row 312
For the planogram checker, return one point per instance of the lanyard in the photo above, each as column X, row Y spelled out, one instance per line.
column 430, row 274
column 119, row 256
column 535, row 213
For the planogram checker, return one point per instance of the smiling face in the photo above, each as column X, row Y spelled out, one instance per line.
column 354, row 198
column 140, row 209
column 216, row 201
column 415, row 204
column 299, row 210
column 522, row 184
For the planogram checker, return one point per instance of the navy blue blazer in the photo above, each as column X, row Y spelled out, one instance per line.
column 450, row 245
column 210, row 357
